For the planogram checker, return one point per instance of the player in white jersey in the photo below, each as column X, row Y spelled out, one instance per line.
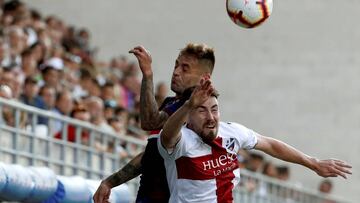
column 200, row 157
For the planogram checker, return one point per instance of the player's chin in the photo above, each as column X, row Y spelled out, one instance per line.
column 175, row 88
column 210, row 133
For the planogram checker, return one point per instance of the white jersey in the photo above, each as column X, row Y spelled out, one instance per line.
column 206, row 172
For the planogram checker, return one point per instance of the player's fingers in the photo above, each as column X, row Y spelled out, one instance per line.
column 134, row 51
column 343, row 164
column 342, row 169
column 202, row 80
column 207, row 84
column 210, row 91
column 338, row 172
column 139, row 48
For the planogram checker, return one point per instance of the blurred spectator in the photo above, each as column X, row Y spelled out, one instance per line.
column 64, row 102
column 108, row 92
column 96, row 109
column 95, row 89
column 161, row 93
column 28, row 64
column 48, row 95
column 30, row 94
column 243, row 156
column 5, row 92
column 270, row 170
column 82, row 89
column 44, row 52
column 17, row 43
column 109, row 109
column 122, row 115
column 117, row 125
column 38, row 52
column 82, row 114
column 325, row 186
column 63, row 106
column 255, row 162
column 51, row 77
column 4, row 61
column 131, row 87
column 283, row 173
column 7, row 78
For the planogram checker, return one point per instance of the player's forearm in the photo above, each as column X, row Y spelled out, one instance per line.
column 171, row 130
column 151, row 118
column 285, row 152
column 128, row 172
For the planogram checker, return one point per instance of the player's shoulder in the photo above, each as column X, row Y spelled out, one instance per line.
column 189, row 135
column 187, row 131
column 231, row 125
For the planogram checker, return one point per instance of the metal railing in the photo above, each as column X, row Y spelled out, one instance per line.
column 257, row 188
column 24, row 142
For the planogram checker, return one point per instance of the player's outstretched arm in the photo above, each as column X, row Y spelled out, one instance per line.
column 171, row 134
column 151, row 118
column 128, row 172
column 283, row 151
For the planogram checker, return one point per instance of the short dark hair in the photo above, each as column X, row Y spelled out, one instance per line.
column 282, row 170
column 202, row 52
column 79, row 108
column 108, row 84
column 119, row 109
column 256, row 156
column 46, row 86
column 30, row 80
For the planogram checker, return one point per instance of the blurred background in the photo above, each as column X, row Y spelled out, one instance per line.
column 294, row 78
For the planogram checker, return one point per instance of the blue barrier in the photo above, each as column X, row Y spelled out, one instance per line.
column 45, row 184
column 76, row 190
column 40, row 184
column 19, row 184
column 3, row 179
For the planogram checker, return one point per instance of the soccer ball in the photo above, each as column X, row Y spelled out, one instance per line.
column 249, row 13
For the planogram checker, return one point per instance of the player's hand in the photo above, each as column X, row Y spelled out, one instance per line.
column 332, row 168
column 201, row 93
column 144, row 58
column 102, row 194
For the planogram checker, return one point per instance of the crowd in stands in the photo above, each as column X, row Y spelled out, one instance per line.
column 49, row 64
column 256, row 162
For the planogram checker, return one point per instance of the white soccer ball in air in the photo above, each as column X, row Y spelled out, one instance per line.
column 249, row 13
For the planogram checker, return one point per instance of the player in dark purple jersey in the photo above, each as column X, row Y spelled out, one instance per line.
column 194, row 62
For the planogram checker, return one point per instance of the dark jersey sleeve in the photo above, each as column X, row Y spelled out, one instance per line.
column 171, row 104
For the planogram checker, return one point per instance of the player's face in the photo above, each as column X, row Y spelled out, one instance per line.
column 187, row 73
column 204, row 119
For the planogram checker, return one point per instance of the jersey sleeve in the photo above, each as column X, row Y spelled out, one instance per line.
column 174, row 153
column 246, row 136
column 170, row 109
